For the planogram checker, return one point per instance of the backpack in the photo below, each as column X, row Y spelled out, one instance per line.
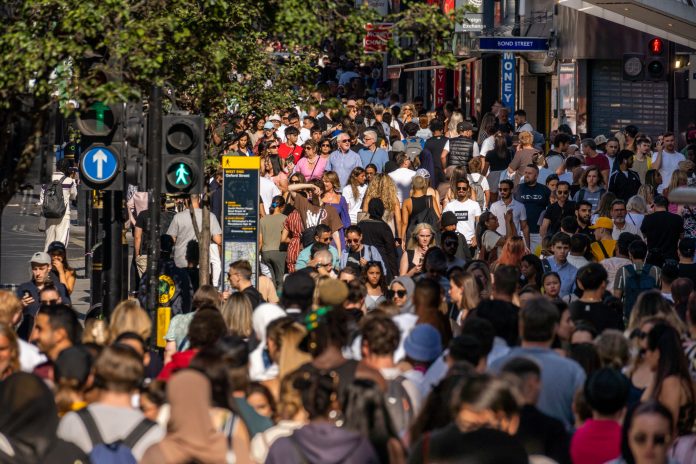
column 427, row 216
column 480, row 195
column 53, row 206
column 118, row 452
column 635, row 285
column 399, row 405
column 413, row 148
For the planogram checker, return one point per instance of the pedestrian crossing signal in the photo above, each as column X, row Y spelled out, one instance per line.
column 182, row 157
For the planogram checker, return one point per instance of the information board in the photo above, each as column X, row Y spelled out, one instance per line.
column 240, row 211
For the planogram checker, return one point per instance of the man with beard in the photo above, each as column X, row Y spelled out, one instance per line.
column 535, row 198
column 618, row 215
column 666, row 159
column 583, row 214
column 506, row 202
column 624, row 182
column 466, row 210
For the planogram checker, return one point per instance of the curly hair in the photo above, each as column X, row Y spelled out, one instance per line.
column 383, row 187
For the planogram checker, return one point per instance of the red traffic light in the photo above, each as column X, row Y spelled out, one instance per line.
column 656, row 46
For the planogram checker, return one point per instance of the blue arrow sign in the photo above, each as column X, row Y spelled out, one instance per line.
column 99, row 165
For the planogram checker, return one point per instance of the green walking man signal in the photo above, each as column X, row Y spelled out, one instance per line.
column 182, row 175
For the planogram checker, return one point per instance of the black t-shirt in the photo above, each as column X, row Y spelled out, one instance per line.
column 354, row 258
column 555, row 213
column 600, row 315
column 435, row 145
column 502, row 315
column 141, row 222
column 544, row 435
column 688, row 271
column 254, row 296
column 662, row 230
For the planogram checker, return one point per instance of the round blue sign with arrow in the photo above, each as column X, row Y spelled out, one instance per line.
column 99, row 165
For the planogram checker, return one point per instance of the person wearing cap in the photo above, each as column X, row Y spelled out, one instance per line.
column 28, row 292
column 372, row 154
column 297, row 294
column 604, row 245
column 60, row 265
column 448, row 223
column 598, row 440
column 663, row 229
column 343, row 159
column 521, row 123
column 601, row 143
column 268, row 135
column 458, row 151
column 624, row 182
column 423, row 346
column 594, row 158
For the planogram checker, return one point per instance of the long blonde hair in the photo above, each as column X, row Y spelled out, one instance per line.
column 454, row 120
column 237, row 313
column 11, row 337
column 128, row 316
column 413, row 239
column 384, row 188
column 679, row 179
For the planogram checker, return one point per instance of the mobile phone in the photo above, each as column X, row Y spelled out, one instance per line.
column 26, row 294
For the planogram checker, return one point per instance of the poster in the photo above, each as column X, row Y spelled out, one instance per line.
column 240, row 211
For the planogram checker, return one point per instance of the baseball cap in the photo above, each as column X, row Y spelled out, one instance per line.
column 464, row 126
column 56, row 246
column 398, row 146
column 603, row 223
column 448, row 219
column 298, row 286
column 73, row 363
column 274, row 117
column 423, row 173
column 424, row 343
column 600, row 139
column 268, row 125
column 332, row 292
column 40, row 257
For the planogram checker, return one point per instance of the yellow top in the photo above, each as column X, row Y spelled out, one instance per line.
column 609, row 246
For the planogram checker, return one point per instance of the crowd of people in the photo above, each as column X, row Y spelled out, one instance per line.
column 430, row 289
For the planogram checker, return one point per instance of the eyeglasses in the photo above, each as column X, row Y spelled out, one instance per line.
column 392, row 293
column 659, row 439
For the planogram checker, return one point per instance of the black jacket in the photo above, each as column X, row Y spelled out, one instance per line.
column 624, row 184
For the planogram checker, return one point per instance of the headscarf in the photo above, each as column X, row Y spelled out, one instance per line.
column 191, row 435
column 260, row 367
column 410, row 286
column 375, row 208
column 28, row 418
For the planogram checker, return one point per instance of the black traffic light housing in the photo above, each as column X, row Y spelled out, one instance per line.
column 656, row 60
column 183, row 141
column 633, row 67
column 101, row 125
column 135, row 130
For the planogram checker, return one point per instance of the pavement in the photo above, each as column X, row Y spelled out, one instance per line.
column 20, row 238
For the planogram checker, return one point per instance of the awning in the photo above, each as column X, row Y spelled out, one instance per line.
column 430, row 67
column 672, row 20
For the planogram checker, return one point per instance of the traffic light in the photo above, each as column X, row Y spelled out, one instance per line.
column 183, row 138
column 135, row 149
column 656, row 62
column 633, row 69
column 101, row 161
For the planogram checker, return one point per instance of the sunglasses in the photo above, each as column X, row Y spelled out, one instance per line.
column 392, row 293
column 344, row 141
column 273, row 146
column 294, row 181
column 326, row 265
column 325, row 145
column 659, row 439
column 353, row 240
column 49, row 302
column 561, row 192
column 462, row 189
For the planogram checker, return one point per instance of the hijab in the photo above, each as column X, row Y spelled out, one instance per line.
column 260, row 366
column 28, row 423
column 410, row 286
column 191, row 435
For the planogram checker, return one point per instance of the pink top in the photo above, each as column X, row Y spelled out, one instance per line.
column 596, row 442
column 311, row 172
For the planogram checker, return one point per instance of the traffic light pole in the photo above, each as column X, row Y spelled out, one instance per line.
column 154, row 181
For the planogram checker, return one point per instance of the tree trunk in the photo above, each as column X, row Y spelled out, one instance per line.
column 204, row 245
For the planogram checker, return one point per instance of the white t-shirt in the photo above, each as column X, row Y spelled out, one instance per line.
column 487, row 145
column 29, row 356
column 629, row 228
column 467, row 212
column 267, row 190
column 354, row 204
column 519, row 213
column 304, row 136
column 402, row 177
column 670, row 163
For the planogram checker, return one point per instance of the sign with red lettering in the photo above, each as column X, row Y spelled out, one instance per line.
column 377, row 37
column 439, row 87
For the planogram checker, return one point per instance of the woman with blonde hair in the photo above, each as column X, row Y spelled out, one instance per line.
column 465, row 293
column 651, row 304
column 512, row 252
column 128, row 316
column 9, row 352
column 637, row 209
column 237, row 313
column 679, row 179
column 524, row 156
column 422, row 239
column 384, row 188
column 418, row 201
column 454, row 120
column 354, row 193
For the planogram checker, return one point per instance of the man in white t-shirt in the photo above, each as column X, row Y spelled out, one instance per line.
column 519, row 213
column 403, row 176
column 267, row 190
column 666, row 159
column 466, row 210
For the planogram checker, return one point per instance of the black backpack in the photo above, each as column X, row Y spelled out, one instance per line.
column 53, row 206
column 427, row 216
